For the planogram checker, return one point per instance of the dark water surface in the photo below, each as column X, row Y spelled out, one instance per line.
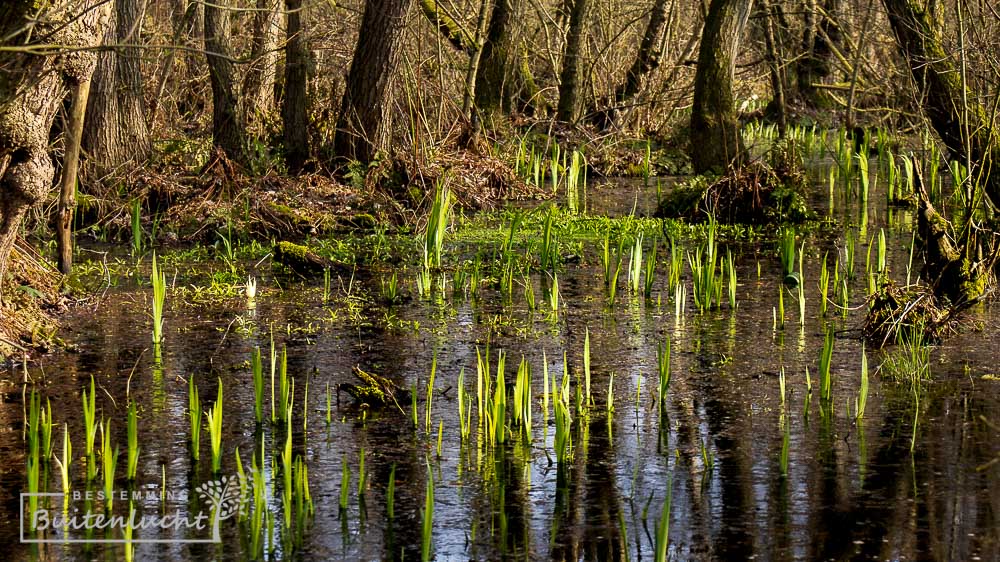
column 853, row 488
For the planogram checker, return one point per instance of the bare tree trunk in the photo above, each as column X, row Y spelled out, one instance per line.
column 364, row 125
column 184, row 17
column 777, row 104
column 646, row 60
column 67, row 188
column 257, row 94
column 116, row 133
column 228, row 132
column 294, row 108
column 495, row 85
column 569, row 76
column 31, row 89
column 715, row 136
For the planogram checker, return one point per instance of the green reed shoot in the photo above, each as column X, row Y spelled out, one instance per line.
column 610, row 404
column 430, row 394
column 284, row 387
column 844, row 298
column 390, row 288
column 553, row 295
column 549, row 244
column 109, row 460
column 413, row 406
column 563, row 419
column 440, row 437
column 849, row 255
column 90, row 425
column 345, row 485
column 529, row 293
column 881, row 250
column 390, row 493
column 663, row 526
column 133, row 442
column 707, row 457
column 362, row 474
column 824, row 286
column 825, row 358
column 663, row 373
column 545, row 391
column 286, row 474
column 427, row 518
column 635, row 265
column 863, row 168
column 731, row 286
column 586, row 365
column 649, row 278
column 215, row 431
column 781, row 308
column 499, row 409
column 862, row 400
column 786, row 250
column 676, row 266
column 437, row 223
column 781, row 384
column 257, row 368
column 194, row 416
column 802, row 303
column 159, row 281
column 67, row 459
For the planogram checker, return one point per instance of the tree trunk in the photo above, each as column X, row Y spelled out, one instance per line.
column 777, row 105
column 228, row 133
column 184, row 17
column 67, row 188
column 294, row 107
column 495, row 86
column 821, row 37
column 569, row 77
column 257, row 94
column 116, row 133
column 933, row 73
column 715, row 135
column 646, row 60
column 364, row 125
column 32, row 87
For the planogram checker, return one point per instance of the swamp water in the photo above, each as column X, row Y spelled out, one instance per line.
column 741, row 472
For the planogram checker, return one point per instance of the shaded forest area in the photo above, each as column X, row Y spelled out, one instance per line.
column 308, row 117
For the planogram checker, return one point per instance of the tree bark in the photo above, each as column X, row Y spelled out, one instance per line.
column 495, row 86
column 257, row 93
column 715, row 136
column 820, row 38
column 646, row 60
column 116, row 133
column 294, row 107
column 31, row 89
column 364, row 125
column 228, row 133
column 569, row 76
column 935, row 74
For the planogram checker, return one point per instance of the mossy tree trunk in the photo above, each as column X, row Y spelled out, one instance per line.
column 935, row 74
column 954, row 269
column 363, row 128
column 294, row 108
column 715, row 136
column 572, row 64
column 32, row 87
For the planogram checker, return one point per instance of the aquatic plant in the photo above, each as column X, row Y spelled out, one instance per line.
column 910, row 360
column 90, row 427
column 439, row 438
column 284, row 387
column 649, row 277
column 437, row 223
column 563, row 419
column 66, row 461
column 862, row 400
column 635, row 265
column 345, row 485
column 390, row 493
column 731, row 286
column 663, row 526
column 609, row 405
column 427, row 518
column 215, row 431
column 464, row 408
column 824, row 286
column 109, row 461
column 137, row 237
column 159, row 281
column 362, row 475
column 257, row 370
column 586, row 365
column 430, row 394
column 194, row 416
column 133, row 442
column 553, row 295
column 786, row 249
column 663, row 373
column 825, row 385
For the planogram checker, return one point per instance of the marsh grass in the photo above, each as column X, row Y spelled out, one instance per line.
column 427, row 518
column 437, row 223
column 663, row 374
column 650, row 273
column 663, row 526
column 257, row 370
column 635, row 265
column 826, row 356
column 109, row 461
column 862, row 400
column 90, row 428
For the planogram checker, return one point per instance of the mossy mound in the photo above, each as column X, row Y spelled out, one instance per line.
column 894, row 312
column 754, row 194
